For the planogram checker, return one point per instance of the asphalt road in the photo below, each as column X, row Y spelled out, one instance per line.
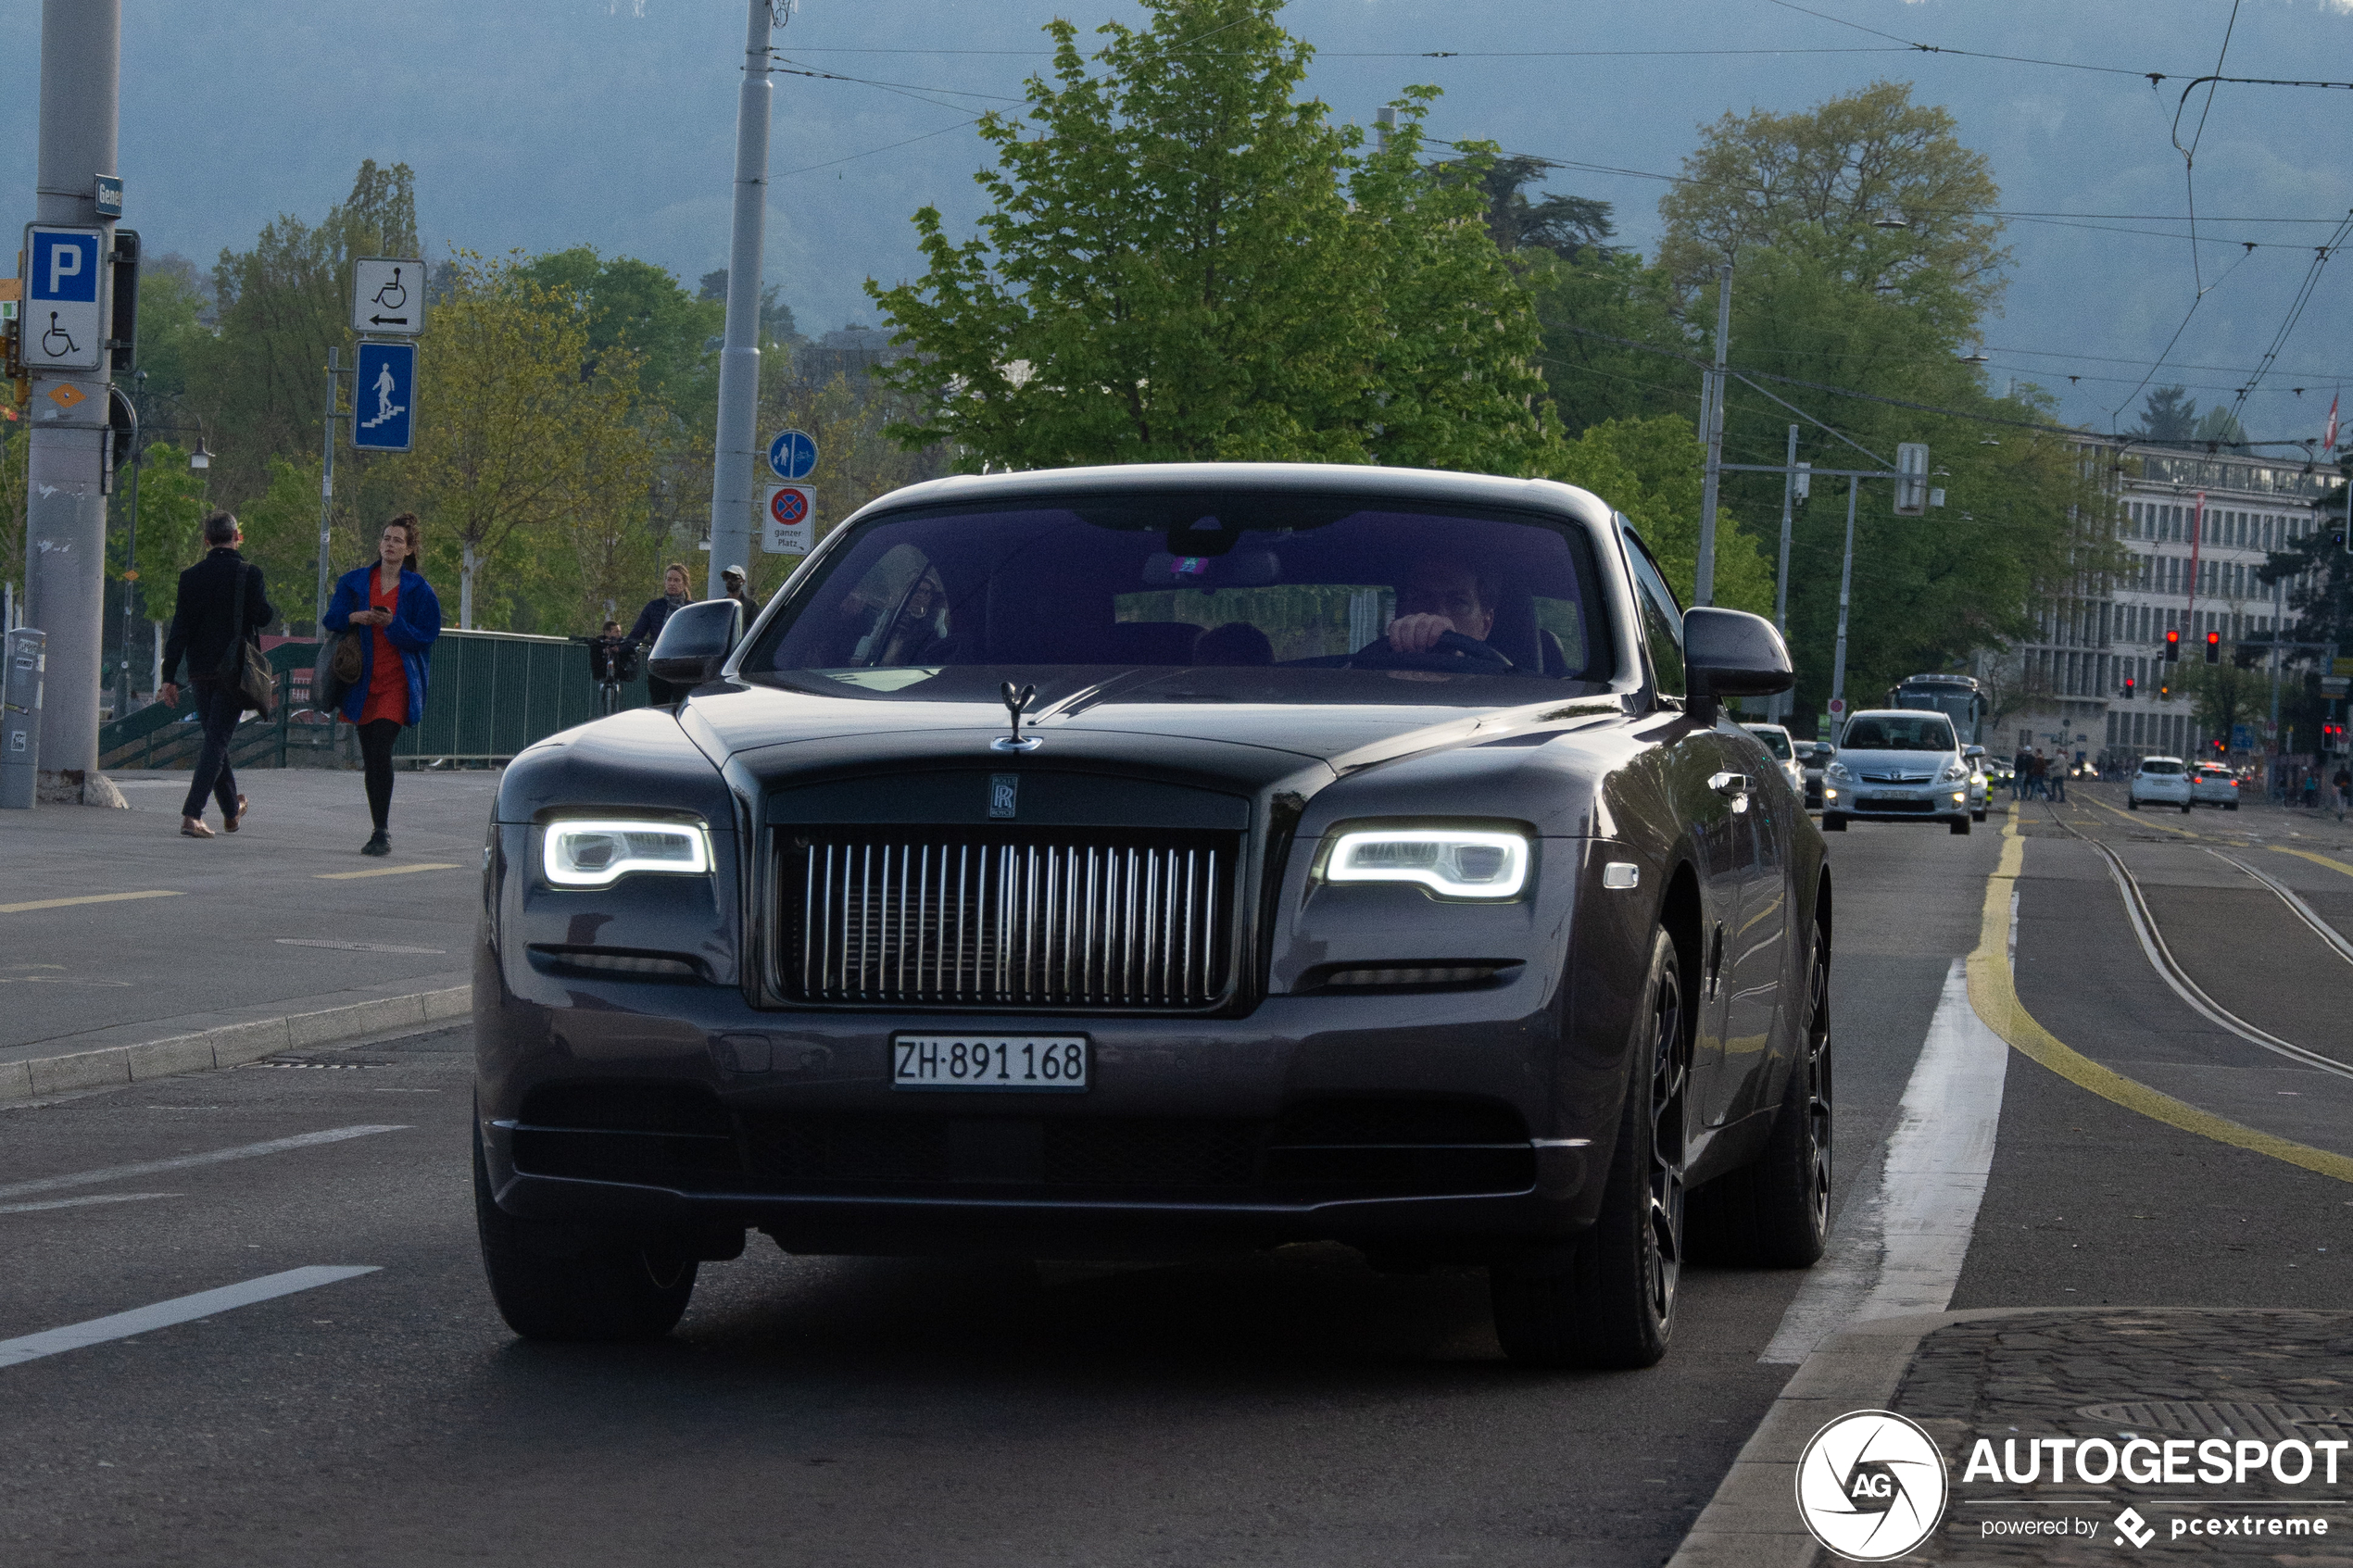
column 1293, row 1408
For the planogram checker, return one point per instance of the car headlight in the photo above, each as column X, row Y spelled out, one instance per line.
column 1956, row 771
column 595, row 852
column 1453, row 862
column 1838, row 770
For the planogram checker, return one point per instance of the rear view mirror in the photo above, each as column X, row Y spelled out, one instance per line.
column 696, row 641
column 1972, row 751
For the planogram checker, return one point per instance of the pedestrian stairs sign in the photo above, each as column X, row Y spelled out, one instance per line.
column 383, row 398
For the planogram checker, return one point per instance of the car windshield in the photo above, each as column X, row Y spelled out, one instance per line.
column 1290, row 583
column 1900, row 732
column 2166, row 769
column 1775, row 741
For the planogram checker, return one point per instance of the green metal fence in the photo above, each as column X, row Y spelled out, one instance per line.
column 489, row 694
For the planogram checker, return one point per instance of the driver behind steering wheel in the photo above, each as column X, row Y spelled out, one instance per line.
column 1439, row 596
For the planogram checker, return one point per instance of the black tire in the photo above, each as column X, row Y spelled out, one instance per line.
column 1977, row 815
column 550, row 1285
column 1960, row 826
column 2231, row 806
column 2185, row 808
column 1834, row 822
column 2131, row 803
column 1607, row 1299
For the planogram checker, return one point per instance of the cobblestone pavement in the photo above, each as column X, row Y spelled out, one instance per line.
column 2268, row 1376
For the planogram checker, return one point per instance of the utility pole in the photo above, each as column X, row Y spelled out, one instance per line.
column 327, row 488
column 1785, row 703
column 731, row 475
column 1703, row 585
column 66, row 504
column 1846, row 588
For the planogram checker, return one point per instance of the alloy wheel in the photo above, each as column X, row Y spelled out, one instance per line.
column 1669, row 1100
column 1817, row 1085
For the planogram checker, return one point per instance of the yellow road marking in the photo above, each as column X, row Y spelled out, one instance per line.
column 1993, row 992
column 2316, row 859
column 85, row 899
column 2137, row 820
column 388, row 870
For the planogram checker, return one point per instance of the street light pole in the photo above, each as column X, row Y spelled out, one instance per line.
column 1846, row 587
column 731, row 473
column 1785, row 703
column 1703, row 577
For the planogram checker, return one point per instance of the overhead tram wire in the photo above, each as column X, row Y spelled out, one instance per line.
column 2296, row 310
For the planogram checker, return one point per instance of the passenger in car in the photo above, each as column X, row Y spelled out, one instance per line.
column 1439, row 596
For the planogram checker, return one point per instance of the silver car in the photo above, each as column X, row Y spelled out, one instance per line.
column 1899, row 764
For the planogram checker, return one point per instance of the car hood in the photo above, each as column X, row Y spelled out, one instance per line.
column 1251, row 723
column 1932, row 763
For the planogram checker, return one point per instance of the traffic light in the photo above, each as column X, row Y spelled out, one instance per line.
column 2172, row 648
column 2214, row 647
column 2128, row 688
column 2164, row 691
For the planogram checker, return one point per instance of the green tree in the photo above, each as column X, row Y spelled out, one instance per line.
column 1651, row 471
column 172, row 503
column 1820, row 182
column 637, row 304
column 1187, row 261
column 283, row 305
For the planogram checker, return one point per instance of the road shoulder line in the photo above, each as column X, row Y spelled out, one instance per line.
column 229, row 1045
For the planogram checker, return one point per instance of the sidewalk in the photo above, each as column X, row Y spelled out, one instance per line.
column 2018, row 1376
column 116, row 932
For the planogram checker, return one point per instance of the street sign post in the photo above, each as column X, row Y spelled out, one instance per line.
column 383, row 398
column 387, row 296
column 65, row 315
column 793, row 455
column 791, row 521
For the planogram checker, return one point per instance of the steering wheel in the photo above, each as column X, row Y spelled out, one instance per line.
column 1453, row 653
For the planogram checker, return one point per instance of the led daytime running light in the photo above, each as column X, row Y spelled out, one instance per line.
column 1453, row 862
column 598, row 852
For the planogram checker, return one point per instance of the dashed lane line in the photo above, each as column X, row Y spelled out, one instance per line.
column 1993, row 989
column 80, row 1202
column 183, row 1161
column 31, row 905
column 387, row 870
column 179, row 1310
column 2316, row 859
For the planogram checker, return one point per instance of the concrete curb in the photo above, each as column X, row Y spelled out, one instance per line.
column 228, row 1046
column 1752, row 1522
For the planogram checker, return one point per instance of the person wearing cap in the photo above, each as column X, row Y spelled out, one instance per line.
column 735, row 582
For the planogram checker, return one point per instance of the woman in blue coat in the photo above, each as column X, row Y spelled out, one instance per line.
column 395, row 608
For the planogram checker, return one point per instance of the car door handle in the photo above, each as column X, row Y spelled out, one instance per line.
column 1732, row 785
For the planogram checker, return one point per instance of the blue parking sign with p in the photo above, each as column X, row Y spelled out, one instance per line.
column 64, row 267
column 383, row 398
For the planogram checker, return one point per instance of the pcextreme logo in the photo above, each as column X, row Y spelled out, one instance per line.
column 1872, row 1486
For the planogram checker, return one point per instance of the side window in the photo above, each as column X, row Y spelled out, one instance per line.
column 1662, row 618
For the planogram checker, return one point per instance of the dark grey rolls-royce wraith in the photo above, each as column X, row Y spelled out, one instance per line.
column 1135, row 862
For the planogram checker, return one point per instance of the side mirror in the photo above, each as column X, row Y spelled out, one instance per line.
column 1731, row 653
column 696, row 641
column 1972, row 752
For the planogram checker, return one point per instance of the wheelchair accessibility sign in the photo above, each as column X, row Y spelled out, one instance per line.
column 64, row 325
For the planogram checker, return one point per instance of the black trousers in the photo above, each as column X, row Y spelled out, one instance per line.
column 218, row 709
column 376, row 738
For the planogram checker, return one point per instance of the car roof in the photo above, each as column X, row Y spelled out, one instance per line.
column 1898, row 713
column 2147, row 761
column 1784, row 729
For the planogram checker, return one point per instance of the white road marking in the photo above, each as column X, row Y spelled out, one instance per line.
column 179, row 1310
column 78, row 1202
column 1902, row 1250
column 181, row 1162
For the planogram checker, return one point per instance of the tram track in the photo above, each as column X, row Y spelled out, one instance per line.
column 2151, row 936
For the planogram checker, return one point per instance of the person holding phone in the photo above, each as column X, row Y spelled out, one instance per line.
column 391, row 603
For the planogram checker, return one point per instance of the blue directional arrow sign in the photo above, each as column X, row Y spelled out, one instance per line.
column 793, row 455
column 383, row 398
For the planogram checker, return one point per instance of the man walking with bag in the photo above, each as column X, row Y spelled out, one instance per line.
column 223, row 603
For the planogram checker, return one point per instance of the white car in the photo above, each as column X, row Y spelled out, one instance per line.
column 2162, row 781
column 1784, row 752
column 1900, row 764
column 2213, row 785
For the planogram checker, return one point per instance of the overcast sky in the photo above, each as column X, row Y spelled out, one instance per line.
column 548, row 123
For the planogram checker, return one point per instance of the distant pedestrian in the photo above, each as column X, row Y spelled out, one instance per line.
column 2344, row 783
column 652, row 618
column 2038, row 777
column 392, row 603
column 2021, row 773
column 734, row 583
column 2059, row 770
column 204, row 629
column 2312, row 790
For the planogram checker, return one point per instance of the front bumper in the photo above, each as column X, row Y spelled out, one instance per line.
column 1897, row 802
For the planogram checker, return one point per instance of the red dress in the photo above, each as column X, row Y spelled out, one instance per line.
column 388, row 677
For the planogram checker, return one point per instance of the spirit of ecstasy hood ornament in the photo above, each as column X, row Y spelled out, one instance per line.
column 1015, row 702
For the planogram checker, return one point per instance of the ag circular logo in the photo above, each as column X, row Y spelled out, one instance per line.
column 1872, row 1486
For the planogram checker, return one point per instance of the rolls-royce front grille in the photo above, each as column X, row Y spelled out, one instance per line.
column 1049, row 921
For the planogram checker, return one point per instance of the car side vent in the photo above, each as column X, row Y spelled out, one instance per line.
column 636, row 965
column 1412, row 976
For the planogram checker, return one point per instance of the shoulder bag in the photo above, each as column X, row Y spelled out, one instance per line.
column 243, row 665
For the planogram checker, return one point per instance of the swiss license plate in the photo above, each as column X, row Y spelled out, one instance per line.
column 1047, row 1063
column 1881, row 798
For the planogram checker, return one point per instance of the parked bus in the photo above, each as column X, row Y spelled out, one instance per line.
column 1958, row 698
